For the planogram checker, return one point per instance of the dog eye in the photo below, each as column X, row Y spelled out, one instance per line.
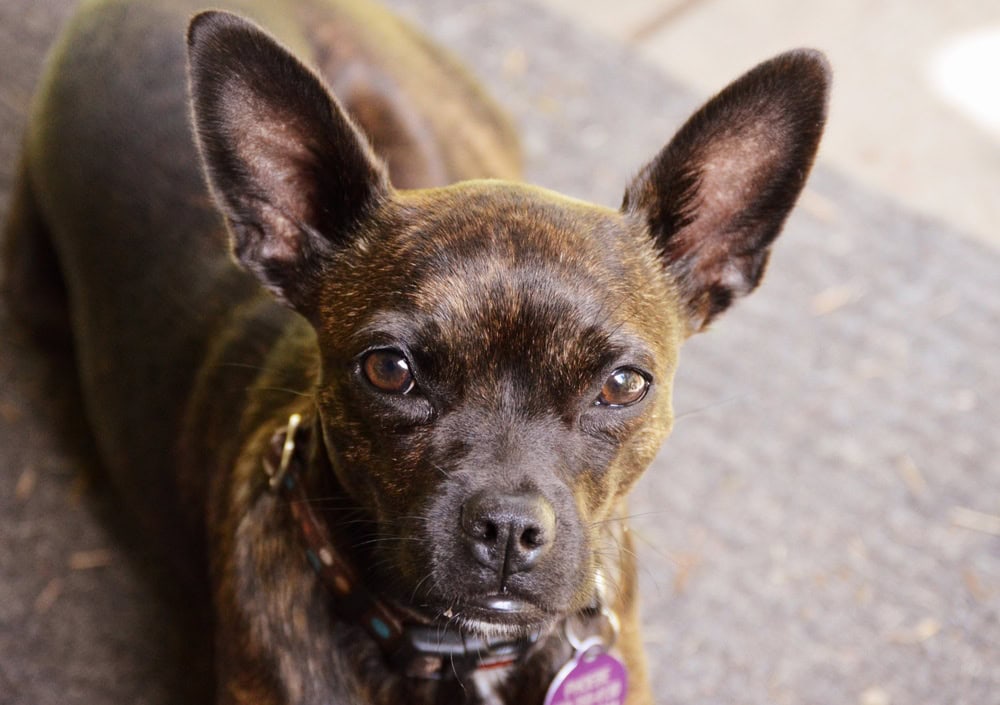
column 388, row 371
column 625, row 386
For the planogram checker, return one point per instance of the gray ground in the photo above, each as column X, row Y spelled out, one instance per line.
column 822, row 527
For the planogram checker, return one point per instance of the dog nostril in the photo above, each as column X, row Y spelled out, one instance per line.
column 531, row 538
column 487, row 531
column 479, row 525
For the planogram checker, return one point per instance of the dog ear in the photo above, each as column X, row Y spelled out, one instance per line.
column 293, row 176
column 717, row 195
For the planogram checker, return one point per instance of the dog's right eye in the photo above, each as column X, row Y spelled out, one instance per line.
column 388, row 371
column 624, row 387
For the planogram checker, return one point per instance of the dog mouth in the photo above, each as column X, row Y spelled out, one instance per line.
column 497, row 575
column 500, row 615
column 487, row 615
column 504, row 608
column 480, row 604
column 506, row 605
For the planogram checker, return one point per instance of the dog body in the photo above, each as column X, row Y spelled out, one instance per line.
column 483, row 367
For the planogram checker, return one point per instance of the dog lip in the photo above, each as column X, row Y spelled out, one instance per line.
column 506, row 609
column 506, row 604
column 502, row 614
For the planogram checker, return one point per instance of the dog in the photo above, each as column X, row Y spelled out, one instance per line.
column 386, row 399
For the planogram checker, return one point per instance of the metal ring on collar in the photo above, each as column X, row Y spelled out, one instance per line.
column 287, row 450
column 581, row 642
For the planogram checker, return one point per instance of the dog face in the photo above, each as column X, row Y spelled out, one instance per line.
column 504, row 379
column 496, row 359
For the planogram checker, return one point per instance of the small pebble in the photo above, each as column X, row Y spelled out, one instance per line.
column 25, row 486
column 87, row 560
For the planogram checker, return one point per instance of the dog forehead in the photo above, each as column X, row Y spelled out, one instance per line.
column 511, row 239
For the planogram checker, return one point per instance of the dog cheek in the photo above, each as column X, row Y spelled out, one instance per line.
column 638, row 453
column 384, row 472
column 631, row 464
column 617, row 462
column 409, row 555
column 436, row 559
column 407, row 540
column 349, row 448
column 451, row 567
column 577, row 554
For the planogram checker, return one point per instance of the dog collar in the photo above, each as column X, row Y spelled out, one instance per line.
column 418, row 648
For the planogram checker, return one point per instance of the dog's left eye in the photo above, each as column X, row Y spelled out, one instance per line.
column 625, row 386
column 388, row 371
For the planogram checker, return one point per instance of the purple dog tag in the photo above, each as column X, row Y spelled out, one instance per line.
column 594, row 677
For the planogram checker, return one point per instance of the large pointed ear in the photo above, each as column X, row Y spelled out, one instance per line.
column 292, row 174
column 717, row 195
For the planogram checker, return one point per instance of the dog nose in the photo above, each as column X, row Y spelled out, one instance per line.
column 508, row 532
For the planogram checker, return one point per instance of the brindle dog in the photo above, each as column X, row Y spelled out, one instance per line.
column 483, row 368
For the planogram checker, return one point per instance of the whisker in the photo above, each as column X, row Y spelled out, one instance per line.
column 416, row 588
column 285, row 390
column 387, row 539
column 639, row 565
column 244, row 365
column 610, row 520
column 710, row 407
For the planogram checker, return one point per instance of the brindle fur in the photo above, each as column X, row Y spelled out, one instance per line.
column 514, row 303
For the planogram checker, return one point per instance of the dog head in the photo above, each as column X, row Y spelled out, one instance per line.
column 496, row 359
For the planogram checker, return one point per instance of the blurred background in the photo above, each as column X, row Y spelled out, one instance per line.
column 823, row 527
column 916, row 108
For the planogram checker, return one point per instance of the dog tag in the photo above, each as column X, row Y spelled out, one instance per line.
column 591, row 677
